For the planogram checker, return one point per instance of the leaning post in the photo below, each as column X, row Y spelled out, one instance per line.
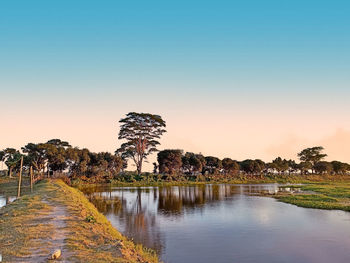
column 31, row 178
column 20, row 178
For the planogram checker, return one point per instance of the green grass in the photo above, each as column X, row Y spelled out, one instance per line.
column 239, row 179
column 324, row 195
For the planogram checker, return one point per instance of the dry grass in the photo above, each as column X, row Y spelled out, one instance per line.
column 90, row 238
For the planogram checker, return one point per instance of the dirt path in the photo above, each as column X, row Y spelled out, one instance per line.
column 56, row 216
column 44, row 247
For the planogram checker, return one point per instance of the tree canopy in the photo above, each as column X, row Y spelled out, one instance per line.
column 312, row 155
column 170, row 161
column 142, row 132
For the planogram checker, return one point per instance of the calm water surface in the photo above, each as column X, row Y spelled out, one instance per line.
column 4, row 200
column 225, row 223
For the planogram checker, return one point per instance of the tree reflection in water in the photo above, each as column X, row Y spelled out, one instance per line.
column 135, row 211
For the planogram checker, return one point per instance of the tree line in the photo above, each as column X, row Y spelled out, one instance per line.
column 58, row 157
column 311, row 161
column 140, row 134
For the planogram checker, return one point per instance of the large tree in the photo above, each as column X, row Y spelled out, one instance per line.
column 142, row 132
column 312, row 155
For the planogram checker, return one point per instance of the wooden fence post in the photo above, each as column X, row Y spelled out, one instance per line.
column 20, row 178
column 31, row 179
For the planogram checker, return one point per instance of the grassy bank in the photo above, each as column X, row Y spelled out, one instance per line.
column 325, row 195
column 29, row 232
column 241, row 179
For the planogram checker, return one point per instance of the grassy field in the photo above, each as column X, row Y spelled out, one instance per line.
column 325, row 195
column 58, row 216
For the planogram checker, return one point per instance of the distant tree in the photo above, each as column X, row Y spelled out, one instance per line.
column 339, row 167
column 2, row 156
column 323, row 167
column 170, row 161
column 56, row 154
column 155, row 167
column 59, row 143
column 281, row 165
column 312, row 155
column 72, row 159
column 304, row 167
column 251, row 166
column 261, row 165
column 37, row 154
column 191, row 163
column 213, row 164
column 272, row 166
column 202, row 160
column 230, row 166
column 103, row 165
column 82, row 167
column 141, row 132
column 292, row 166
column 11, row 157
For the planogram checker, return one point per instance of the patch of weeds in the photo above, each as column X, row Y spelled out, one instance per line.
column 90, row 219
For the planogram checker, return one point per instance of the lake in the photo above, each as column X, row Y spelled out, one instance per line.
column 224, row 223
column 4, row 200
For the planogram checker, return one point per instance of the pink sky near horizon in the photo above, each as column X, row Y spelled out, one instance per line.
column 258, row 133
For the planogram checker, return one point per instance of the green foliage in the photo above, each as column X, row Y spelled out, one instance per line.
column 90, row 219
column 192, row 163
column 170, row 161
column 12, row 158
column 230, row 166
column 339, row 167
column 323, row 196
column 142, row 132
column 252, row 166
column 312, row 155
column 212, row 165
column 323, row 167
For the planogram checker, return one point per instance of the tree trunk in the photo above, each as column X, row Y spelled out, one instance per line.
column 139, row 168
column 10, row 172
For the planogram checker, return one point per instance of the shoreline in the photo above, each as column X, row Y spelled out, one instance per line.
column 57, row 216
column 327, row 192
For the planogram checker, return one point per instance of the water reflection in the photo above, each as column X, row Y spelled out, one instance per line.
column 5, row 200
column 224, row 223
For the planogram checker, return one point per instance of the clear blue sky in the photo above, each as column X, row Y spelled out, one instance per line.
column 251, row 58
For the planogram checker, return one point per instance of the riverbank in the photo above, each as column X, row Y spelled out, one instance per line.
column 317, row 191
column 325, row 195
column 143, row 181
column 56, row 216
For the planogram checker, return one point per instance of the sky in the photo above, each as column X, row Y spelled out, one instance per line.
column 239, row 79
